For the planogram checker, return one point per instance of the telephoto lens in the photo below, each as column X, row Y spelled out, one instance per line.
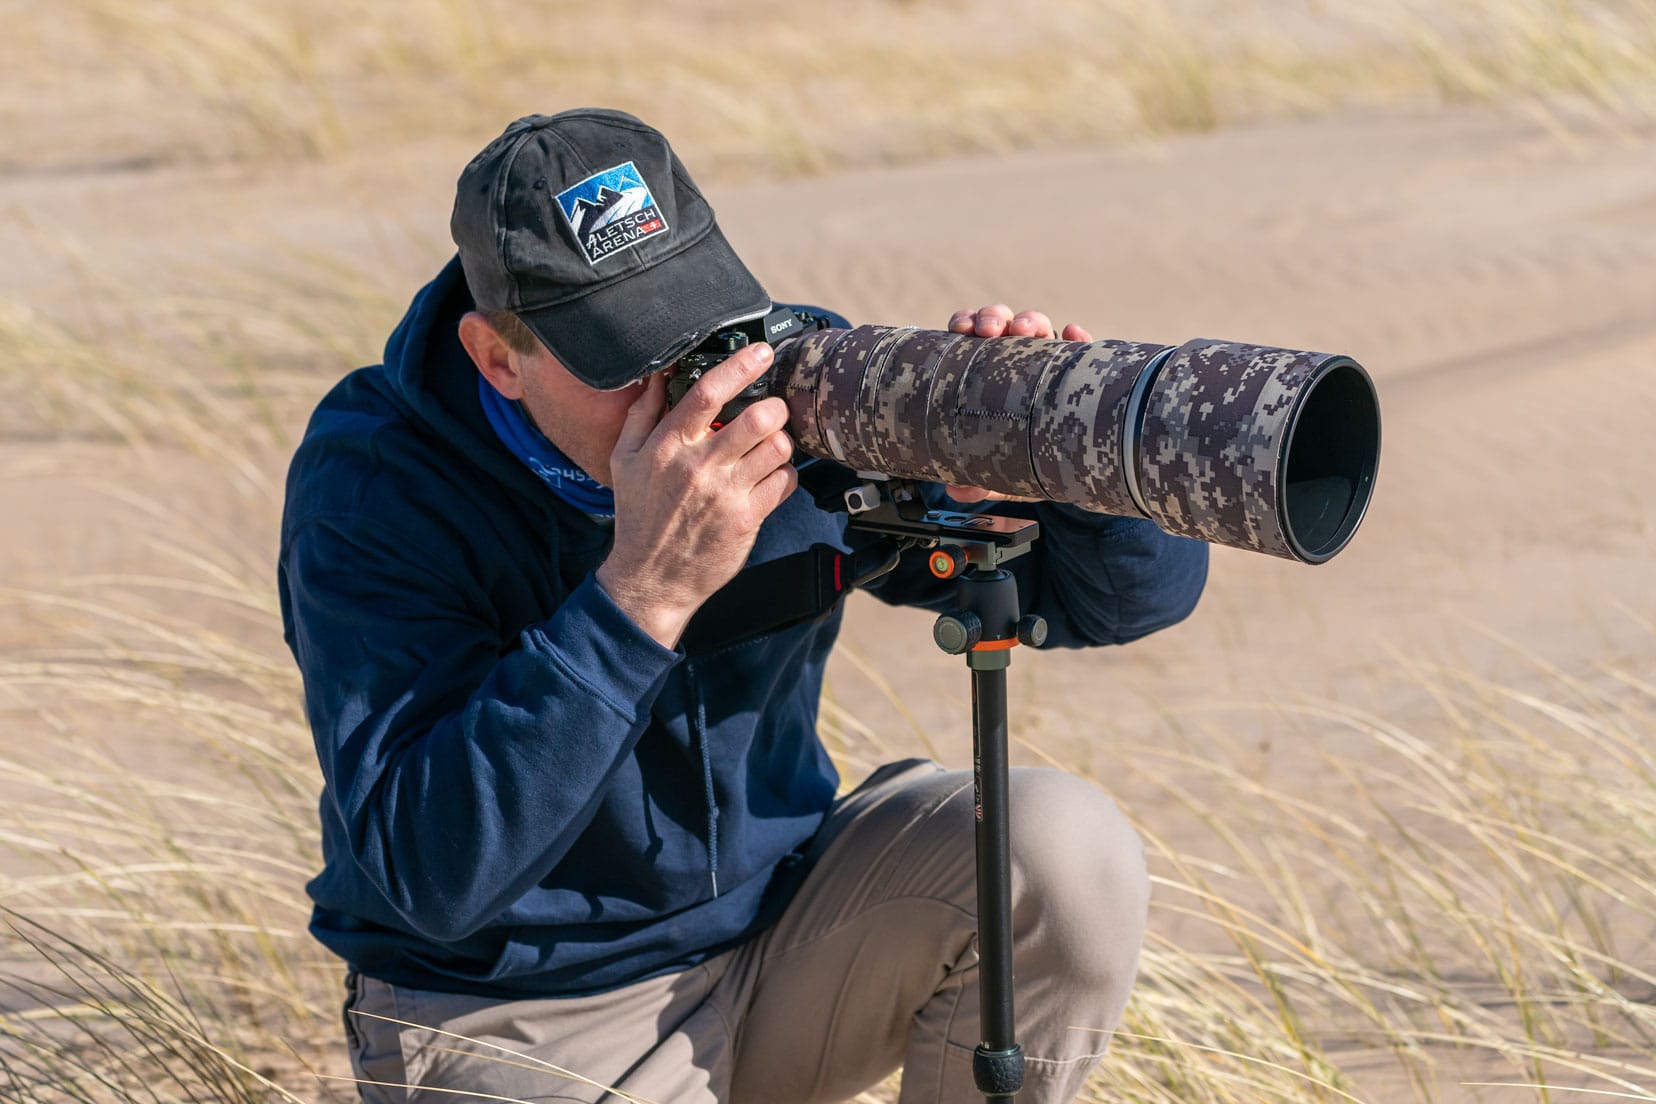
column 1267, row 449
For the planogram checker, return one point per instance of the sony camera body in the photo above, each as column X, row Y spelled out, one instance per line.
column 774, row 328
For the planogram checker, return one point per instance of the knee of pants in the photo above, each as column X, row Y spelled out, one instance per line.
column 1079, row 876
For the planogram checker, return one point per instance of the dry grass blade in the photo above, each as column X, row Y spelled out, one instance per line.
column 312, row 80
column 1445, row 894
column 528, row 1061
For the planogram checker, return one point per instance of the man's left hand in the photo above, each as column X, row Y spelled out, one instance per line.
column 1000, row 321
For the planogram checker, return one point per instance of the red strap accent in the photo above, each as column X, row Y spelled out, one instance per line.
column 838, row 585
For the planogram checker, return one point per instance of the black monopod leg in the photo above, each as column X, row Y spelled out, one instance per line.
column 985, row 628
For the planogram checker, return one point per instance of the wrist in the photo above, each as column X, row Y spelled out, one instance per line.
column 658, row 615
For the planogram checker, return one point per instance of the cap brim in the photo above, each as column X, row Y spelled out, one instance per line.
column 625, row 331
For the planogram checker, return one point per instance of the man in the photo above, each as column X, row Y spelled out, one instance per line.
column 563, row 851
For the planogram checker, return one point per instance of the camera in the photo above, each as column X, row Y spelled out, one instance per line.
column 1269, row 449
column 776, row 327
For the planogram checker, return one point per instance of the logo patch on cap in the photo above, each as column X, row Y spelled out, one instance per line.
column 611, row 211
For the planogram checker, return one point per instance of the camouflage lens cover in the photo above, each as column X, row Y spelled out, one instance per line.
column 1020, row 415
column 1078, row 435
column 1205, row 427
column 1216, row 424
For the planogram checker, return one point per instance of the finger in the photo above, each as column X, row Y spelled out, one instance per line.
column 769, row 453
column 747, row 429
column 1072, row 332
column 642, row 415
column 773, row 490
column 962, row 321
column 1030, row 324
column 693, row 414
column 992, row 321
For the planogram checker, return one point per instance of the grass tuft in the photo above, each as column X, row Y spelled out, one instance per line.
column 747, row 89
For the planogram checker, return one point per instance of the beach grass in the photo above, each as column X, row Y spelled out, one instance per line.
column 1466, row 894
column 1470, row 900
column 748, row 88
column 1477, row 905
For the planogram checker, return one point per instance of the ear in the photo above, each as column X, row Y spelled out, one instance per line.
column 491, row 355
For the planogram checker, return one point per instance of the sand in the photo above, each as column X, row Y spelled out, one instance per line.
column 1499, row 284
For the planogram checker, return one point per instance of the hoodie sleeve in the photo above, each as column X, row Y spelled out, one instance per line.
column 1095, row 578
column 461, row 771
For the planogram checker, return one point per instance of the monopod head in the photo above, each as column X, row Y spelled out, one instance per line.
column 1272, row 450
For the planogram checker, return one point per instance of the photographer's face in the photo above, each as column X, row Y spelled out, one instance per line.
column 583, row 422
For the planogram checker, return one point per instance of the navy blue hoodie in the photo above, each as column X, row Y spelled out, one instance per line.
column 524, row 793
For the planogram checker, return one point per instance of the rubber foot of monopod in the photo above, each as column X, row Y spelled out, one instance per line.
column 998, row 1072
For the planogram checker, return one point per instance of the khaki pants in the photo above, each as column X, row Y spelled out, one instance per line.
column 872, row 966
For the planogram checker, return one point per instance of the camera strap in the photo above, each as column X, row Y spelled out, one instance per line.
column 791, row 589
column 767, row 597
column 783, row 592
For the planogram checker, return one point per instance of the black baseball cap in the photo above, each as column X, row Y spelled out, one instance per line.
column 586, row 226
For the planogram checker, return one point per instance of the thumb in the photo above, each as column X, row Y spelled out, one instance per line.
column 967, row 494
column 643, row 414
column 978, row 494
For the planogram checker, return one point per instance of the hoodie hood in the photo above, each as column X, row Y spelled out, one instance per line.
column 428, row 373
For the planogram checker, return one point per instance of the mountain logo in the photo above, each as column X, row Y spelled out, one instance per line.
column 611, row 211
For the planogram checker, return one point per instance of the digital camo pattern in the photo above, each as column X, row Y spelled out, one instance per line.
column 1046, row 418
column 895, row 391
column 797, row 377
column 982, row 423
column 1019, row 415
column 839, row 392
column 1215, row 425
column 1080, row 419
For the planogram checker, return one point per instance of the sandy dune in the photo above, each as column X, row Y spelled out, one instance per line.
column 1501, row 289
column 1499, row 283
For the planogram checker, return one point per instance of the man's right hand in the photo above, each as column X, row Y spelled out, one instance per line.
column 689, row 500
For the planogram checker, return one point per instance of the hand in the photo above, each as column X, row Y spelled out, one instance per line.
column 689, row 500
column 999, row 321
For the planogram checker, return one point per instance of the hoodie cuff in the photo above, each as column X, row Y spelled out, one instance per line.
column 605, row 650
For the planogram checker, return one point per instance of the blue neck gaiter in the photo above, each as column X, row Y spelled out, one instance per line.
column 541, row 456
